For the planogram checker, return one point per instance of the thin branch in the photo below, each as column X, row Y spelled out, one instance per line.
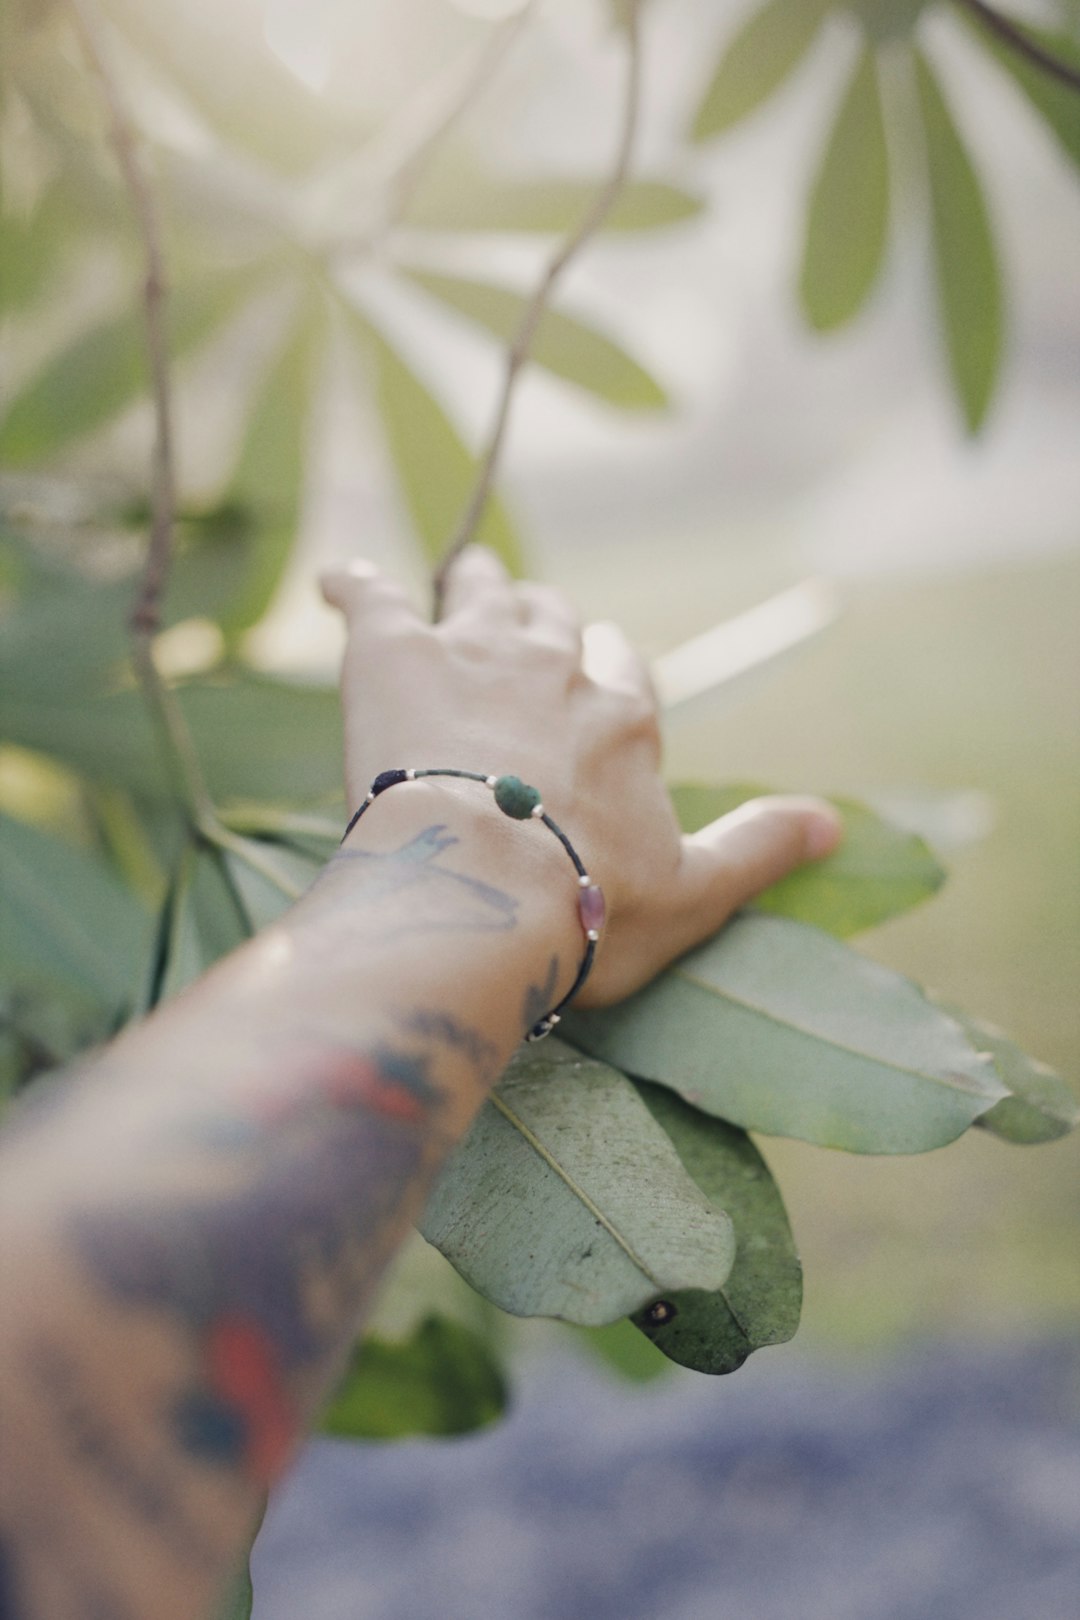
column 1017, row 39
column 399, row 156
column 518, row 350
column 145, row 617
column 482, row 70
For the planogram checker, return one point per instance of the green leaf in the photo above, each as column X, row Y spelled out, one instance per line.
column 780, row 1028
column 441, row 1380
column 566, row 1199
column 65, row 919
column 104, row 370
column 434, row 469
column 1041, row 1106
column 65, row 631
column 968, row 277
column 268, row 478
column 1056, row 103
column 761, row 1300
column 33, row 247
column 848, row 217
column 886, row 20
column 622, row 1347
column 562, row 344
column 452, row 198
column 257, row 738
column 878, row 872
column 202, row 921
column 764, row 52
column 267, row 877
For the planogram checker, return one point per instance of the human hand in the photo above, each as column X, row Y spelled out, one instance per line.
column 509, row 682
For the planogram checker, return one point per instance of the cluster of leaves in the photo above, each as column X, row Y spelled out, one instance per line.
column 611, row 1175
column 848, row 212
column 245, row 238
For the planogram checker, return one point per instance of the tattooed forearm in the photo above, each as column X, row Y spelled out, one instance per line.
column 205, row 1214
column 451, row 1032
column 428, row 897
column 539, row 997
column 264, row 1277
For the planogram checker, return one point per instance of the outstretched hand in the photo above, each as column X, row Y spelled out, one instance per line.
column 510, row 682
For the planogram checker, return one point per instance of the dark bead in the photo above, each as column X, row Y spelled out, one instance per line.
column 515, row 798
column 387, row 779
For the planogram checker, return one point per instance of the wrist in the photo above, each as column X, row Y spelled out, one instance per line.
column 438, row 855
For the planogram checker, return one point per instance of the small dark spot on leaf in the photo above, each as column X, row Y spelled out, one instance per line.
column 661, row 1311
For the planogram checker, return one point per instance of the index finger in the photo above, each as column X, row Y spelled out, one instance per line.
column 366, row 596
column 478, row 583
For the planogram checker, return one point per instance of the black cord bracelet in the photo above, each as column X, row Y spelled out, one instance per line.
column 520, row 802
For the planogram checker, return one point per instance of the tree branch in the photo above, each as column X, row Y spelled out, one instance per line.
column 145, row 618
column 402, row 151
column 518, row 351
column 487, row 63
column 1017, row 39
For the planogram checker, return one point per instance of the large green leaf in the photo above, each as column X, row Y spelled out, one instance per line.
column 760, row 1302
column 780, row 1028
column 1041, row 1105
column 1056, row 103
column 65, row 632
column 104, row 370
column 33, row 246
column 435, row 471
column 969, row 280
column 441, row 1380
column 267, row 877
column 562, row 344
column 879, row 871
column 268, row 478
column 767, row 48
column 203, row 920
column 257, row 738
column 566, row 1198
column 65, row 919
column 848, row 217
column 452, row 198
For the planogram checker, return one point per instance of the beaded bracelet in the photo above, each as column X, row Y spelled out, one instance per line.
column 519, row 801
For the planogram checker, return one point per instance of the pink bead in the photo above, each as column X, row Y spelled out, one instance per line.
column 591, row 908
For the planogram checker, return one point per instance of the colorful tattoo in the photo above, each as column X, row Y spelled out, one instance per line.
column 267, row 1277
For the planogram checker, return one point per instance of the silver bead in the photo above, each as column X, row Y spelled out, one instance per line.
column 490, row 781
column 584, row 881
column 593, row 934
column 537, row 811
column 410, row 775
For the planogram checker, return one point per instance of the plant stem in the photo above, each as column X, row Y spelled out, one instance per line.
column 412, row 166
column 518, row 351
column 1019, row 40
column 145, row 618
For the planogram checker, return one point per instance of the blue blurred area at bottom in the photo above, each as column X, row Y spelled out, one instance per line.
column 943, row 1486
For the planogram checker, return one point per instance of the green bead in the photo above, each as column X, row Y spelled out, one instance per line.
column 515, row 798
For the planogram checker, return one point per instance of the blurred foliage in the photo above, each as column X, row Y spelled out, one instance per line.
column 848, row 214
column 285, row 214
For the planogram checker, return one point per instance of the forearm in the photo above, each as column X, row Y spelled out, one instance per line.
column 194, row 1226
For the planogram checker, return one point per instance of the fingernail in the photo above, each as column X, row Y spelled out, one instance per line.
column 824, row 830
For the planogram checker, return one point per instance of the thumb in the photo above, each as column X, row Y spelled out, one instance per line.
column 729, row 862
